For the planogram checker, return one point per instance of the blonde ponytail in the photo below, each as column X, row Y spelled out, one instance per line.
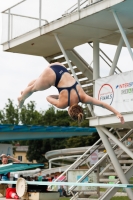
column 80, row 118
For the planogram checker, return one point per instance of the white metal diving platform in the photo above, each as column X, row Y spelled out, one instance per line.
column 94, row 21
column 90, row 21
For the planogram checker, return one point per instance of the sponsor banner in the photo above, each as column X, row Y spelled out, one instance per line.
column 117, row 91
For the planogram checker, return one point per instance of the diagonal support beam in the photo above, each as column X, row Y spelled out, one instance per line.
column 114, row 160
column 120, row 144
column 101, row 129
column 66, row 57
column 101, row 159
column 111, row 191
column 104, row 58
column 117, row 54
column 102, row 135
column 81, row 64
column 71, row 68
column 123, row 34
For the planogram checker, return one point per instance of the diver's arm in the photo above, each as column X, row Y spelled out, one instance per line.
column 54, row 100
column 90, row 100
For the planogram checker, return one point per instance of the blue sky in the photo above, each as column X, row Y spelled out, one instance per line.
column 17, row 70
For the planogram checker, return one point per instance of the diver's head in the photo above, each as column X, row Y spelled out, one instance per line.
column 76, row 113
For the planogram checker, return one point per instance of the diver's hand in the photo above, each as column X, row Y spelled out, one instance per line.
column 119, row 116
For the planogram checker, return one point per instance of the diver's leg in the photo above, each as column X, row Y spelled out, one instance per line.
column 36, row 85
column 24, row 95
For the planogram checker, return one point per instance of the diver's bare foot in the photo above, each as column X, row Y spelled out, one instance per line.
column 20, row 102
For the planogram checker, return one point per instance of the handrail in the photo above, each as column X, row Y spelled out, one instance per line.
column 66, row 12
column 110, row 163
column 80, row 162
column 77, row 160
column 10, row 23
column 78, row 4
column 27, row 17
column 99, row 161
column 107, row 58
column 90, row 153
column 13, row 6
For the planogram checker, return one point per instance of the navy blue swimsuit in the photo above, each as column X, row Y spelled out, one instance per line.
column 59, row 71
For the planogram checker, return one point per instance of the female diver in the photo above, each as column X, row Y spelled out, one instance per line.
column 70, row 92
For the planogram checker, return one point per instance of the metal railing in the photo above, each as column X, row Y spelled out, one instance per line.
column 28, row 15
column 16, row 24
column 97, row 164
column 80, row 4
column 117, row 68
column 77, row 161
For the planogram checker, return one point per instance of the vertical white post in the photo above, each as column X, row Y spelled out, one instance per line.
column 40, row 12
column 78, row 5
column 11, row 26
column 100, row 130
column 8, row 28
column 123, row 34
column 79, row 8
column 95, row 62
column 117, row 54
column 95, row 59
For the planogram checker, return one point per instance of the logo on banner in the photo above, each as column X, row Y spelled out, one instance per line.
column 106, row 93
column 124, row 85
column 126, row 88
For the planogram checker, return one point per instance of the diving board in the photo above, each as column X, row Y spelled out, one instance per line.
column 27, row 132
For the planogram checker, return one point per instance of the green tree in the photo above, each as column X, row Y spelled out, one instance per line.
column 29, row 115
column 81, row 141
column 48, row 117
column 2, row 117
column 62, row 118
column 51, row 117
column 10, row 114
column 37, row 150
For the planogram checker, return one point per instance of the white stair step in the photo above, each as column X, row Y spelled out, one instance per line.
column 125, row 161
column 123, row 167
column 109, row 174
column 124, row 156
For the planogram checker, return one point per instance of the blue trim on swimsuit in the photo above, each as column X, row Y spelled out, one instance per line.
column 59, row 71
